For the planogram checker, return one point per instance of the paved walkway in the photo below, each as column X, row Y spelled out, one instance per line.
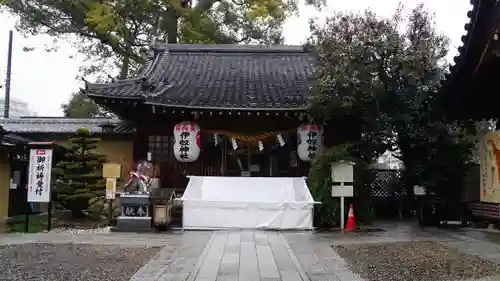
column 256, row 255
column 248, row 256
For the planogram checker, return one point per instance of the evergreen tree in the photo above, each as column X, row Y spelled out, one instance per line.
column 116, row 33
column 383, row 81
column 80, row 106
column 78, row 177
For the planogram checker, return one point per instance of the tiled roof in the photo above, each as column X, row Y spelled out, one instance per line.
column 15, row 139
column 11, row 139
column 62, row 125
column 219, row 76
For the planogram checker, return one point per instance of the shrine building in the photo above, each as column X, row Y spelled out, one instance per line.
column 219, row 110
column 17, row 133
column 200, row 110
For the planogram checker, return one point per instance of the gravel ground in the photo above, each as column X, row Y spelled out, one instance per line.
column 68, row 262
column 414, row 261
column 77, row 231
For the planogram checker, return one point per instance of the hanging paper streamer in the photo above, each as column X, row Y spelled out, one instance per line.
column 238, row 160
column 280, row 139
column 261, row 145
column 235, row 144
column 253, row 138
column 216, row 139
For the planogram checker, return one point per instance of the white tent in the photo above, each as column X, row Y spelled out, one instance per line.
column 247, row 202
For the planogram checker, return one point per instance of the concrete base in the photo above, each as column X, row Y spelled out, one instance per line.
column 130, row 230
column 133, row 224
column 3, row 224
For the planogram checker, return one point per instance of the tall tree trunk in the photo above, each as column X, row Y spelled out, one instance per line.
column 173, row 25
column 126, row 58
column 125, row 67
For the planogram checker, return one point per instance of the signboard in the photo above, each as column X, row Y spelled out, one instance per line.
column 343, row 179
column 343, row 172
column 40, row 168
column 111, row 170
column 418, row 190
column 12, row 184
column 135, row 210
column 489, row 153
column 110, row 188
column 342, row 191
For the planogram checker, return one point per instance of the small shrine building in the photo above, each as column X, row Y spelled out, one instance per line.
column 219, row 110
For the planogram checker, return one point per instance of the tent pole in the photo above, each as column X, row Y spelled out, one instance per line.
column 271, row 165
column 249, row 160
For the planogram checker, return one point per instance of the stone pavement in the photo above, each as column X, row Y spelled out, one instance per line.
column 249, row 256
column 236, row 255
column 257, row 255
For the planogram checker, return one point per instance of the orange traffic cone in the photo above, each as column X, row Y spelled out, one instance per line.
column 351, row 222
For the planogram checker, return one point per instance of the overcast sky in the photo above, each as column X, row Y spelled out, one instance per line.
column 46, row 80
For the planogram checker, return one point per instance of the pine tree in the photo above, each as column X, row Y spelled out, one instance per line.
column 78, row 177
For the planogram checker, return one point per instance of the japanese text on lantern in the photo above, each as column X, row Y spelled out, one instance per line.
column 312, row 139
column 39, row 175
column 185, row 132
column 312, row 144
column 186, row 141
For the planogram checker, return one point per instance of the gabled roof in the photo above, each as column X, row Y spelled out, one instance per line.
column 62, row 125
column 219, row 77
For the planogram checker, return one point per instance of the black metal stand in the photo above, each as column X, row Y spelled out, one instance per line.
column 110, row 211
column 49, row 216
column 27, row 223
column 27, row 218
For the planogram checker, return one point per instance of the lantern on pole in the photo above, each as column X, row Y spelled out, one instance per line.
column 187, row 141
column 309, row 141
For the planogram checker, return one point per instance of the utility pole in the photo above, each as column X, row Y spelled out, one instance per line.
column 7, row 80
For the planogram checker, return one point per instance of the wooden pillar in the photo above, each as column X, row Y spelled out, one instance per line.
column 4, row 187
column 271, row 163
column 223, row 148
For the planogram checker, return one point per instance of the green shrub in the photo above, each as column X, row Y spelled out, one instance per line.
column 326, row 215
column 78, row 177
column 320, row 183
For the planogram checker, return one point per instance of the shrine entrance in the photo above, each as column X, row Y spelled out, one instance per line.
column 248, row 162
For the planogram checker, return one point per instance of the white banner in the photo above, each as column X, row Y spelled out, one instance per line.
column 110, row 188
column 40, row 169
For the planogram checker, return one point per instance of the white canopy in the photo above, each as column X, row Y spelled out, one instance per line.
column 247, row 202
